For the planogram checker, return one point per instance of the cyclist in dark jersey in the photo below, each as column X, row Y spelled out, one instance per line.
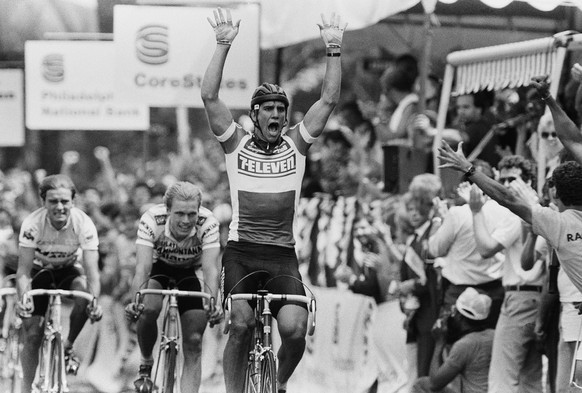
column 265, row 170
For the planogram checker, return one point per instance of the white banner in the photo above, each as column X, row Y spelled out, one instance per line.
column 162, row 54
column 11, row 107
column 70, row 86
column 340, row 356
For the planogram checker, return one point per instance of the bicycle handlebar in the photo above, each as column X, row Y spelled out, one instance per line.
column 9, row 291
column 174, row 292
column 57, row 292
column 269, row 297
column 28, row 295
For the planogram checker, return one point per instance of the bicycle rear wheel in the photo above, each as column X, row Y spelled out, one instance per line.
column 268, row 373
column 170, row 356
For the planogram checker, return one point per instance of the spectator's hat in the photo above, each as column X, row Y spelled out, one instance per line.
column 473, row 304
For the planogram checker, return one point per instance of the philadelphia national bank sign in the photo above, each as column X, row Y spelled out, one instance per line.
column 70, row 86
column 161, row 54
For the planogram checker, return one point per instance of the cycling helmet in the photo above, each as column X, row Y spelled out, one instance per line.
column 269, row 92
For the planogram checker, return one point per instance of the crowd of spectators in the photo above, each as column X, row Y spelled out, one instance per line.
column 452, row 265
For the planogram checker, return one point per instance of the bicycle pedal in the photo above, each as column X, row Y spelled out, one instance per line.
column 71, row 362
column 72, row 369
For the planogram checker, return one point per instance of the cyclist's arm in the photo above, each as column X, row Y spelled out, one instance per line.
column 91, row 265
column 219, row 116
column 144, row 262
column 210, row 267
column 25, row 265
column 317, row 116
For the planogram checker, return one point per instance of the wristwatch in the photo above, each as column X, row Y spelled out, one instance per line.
column 470, row 172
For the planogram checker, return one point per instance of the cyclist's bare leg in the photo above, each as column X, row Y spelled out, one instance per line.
column 32, row 339
column 193, row 325
column 236, row 349
column 147, row 325
column 292, row 324
column 79, row 315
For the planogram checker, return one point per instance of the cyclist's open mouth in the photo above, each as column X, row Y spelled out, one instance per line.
column 273, row 127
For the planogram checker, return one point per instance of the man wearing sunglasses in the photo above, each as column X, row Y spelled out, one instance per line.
column 515, row 364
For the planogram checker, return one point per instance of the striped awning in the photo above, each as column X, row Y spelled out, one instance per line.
column 502, row 66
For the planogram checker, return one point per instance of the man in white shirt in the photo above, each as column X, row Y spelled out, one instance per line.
column 516, row 363
column 454, row 243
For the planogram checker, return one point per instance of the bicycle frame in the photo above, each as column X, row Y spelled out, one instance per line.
column 262, row 365
column 52, row 375
column 170, row 335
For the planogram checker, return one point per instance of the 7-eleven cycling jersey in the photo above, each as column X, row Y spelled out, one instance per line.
column 264, row 190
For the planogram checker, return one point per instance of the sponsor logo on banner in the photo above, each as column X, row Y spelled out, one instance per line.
column 151, row 44
column 162, row 54
column 53, row 69
column 69, row 85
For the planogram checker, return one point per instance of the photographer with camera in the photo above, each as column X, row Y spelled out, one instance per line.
column 470, row 355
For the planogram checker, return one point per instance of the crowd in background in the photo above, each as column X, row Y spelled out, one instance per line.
column 417, row 249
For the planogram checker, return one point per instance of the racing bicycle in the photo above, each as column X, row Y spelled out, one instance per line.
column 166, row 364
column 261, row 372
column 52, row 368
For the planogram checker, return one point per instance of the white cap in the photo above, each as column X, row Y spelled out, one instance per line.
column 473, row 304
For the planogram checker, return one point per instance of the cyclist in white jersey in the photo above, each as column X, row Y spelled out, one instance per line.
column 177, row 244
column 49, row 243
column 265, row 170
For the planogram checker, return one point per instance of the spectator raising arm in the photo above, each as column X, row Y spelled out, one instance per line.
column 456, row 160
column 566, row 129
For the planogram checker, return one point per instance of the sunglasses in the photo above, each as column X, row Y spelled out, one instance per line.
column 546, row 135
column 508, row 179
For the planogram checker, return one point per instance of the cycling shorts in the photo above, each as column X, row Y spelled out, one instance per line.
column 262, row 266
column 185, row 279
column 52, row 279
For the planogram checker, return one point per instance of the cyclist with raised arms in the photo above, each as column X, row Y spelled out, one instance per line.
column 177, row 244
column 49, row 243
column 265, row 170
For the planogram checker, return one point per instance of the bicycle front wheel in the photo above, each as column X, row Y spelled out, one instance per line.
column 268, row 373
column 52, row 366
column 170, row 356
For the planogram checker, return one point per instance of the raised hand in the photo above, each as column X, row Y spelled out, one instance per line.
column 70, row 157
column 332, row 31
column 524, row 191
column 101, row 153
column 542, row 85
column 476, row 199
column 453, row 159
column 223, row 26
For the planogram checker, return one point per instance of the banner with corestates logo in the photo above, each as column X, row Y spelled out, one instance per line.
column 162, row 54
column 70, row 86
column 11, row 107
